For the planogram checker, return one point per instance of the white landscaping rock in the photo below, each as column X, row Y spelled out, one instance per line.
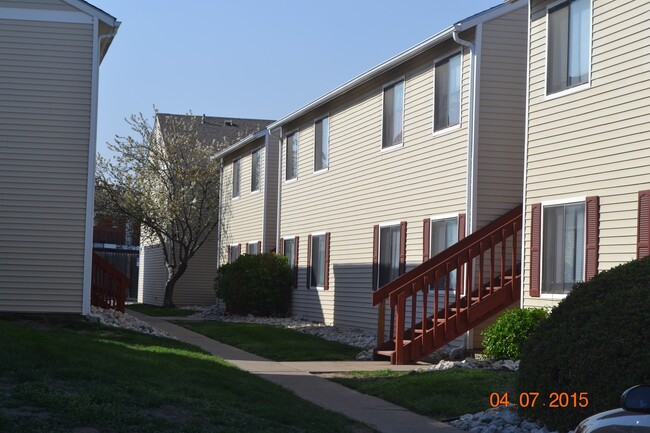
column 117, row 319
column 499, row 419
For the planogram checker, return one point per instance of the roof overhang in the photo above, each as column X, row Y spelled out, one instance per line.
column 423, row 46
column 241, row 143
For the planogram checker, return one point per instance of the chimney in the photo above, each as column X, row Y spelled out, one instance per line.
column 203, row 120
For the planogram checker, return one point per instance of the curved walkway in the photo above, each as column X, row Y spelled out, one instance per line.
column 297, row 377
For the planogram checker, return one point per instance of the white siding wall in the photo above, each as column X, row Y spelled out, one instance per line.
column 45, row 108
column 595, row 141
column 195, row 287
column 153, row 275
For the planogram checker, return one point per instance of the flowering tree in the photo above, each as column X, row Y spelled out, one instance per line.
column 167, row 180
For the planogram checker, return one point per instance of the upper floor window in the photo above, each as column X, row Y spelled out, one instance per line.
column 563, row 247
column 235, row 178
column 256, row 169
column 568, row 45
column 292, row 156
column 322, row 144
column 446, row 104
column 393, row 123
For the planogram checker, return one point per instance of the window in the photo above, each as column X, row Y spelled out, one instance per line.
column 317, row 276
column 256, row 168
column 322, row 144
column 446, row 108
column 444, row 233
column 233, row 253
column 288, row 247
column 563, row 247
column 253, row 248
column 389, row 254
column 393, row 114
column 235, row 178
column 292, row 156
column 568, row 45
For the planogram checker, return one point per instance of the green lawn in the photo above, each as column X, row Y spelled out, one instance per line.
column 274, row 342
column 62, row 374
column 439, row 394
column 152, row 310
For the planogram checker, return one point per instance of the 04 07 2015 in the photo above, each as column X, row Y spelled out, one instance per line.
column 557, row 400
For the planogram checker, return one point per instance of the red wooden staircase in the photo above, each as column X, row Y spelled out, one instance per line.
column 108, row 285
column 429, row 305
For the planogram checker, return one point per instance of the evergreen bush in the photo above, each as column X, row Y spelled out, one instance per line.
column 504, row 338
column 256, row 284
column 596, row 341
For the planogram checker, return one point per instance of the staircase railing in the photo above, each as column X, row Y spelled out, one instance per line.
column 109, row 286
column 486, row 267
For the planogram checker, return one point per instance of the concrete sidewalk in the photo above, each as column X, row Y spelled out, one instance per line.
column 297, row 377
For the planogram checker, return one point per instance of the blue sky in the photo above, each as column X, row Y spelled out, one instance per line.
column 252, row 58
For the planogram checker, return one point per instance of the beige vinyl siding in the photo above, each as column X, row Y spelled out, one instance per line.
column 55, row 5
column 270, row 174
column 45, row 82
column 153, row 275
column 242, row 216
column 195, row 287
column 502, row 107
column 365, row 186
column 595, row 141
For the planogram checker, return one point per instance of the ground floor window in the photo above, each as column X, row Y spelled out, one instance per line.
column 317, row 276
column 233, row 253
column 389, row 253
column 444, row 233
column 563, row 247
column 253, row 248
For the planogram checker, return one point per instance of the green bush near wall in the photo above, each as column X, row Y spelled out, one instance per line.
column 256, row 284
column 596, row 341
column 505, row 337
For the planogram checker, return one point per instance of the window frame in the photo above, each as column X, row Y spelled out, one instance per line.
column 392, row 83
column 320, row 119
column 391, row 224
column 578, row 87
column 230, row 255
column 257, row 151
column 295, row 133
column 238, row 161
column 542, row 247
column 256, row 244
column 454, row 127
column 311, row 237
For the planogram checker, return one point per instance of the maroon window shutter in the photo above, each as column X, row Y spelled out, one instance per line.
column 592, row 216
column 426, row 239
column 461, row 226
column 375, row 256
column 229, row 255
column 308, row 278
column 259, row 247
column 643, row 225
column 281, row 246
column 295, row 262
column 402, row 247
column 535, row 248
column 238, row 249
column 327, row 261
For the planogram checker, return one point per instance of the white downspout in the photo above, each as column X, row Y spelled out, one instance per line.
column 219, row 226
column 472, row 166
column 279, row 206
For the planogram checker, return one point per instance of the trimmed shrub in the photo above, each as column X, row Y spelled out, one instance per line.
column 596, row 341
column 504, row 338
column 256, row 284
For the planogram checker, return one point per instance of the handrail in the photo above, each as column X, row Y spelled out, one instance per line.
column 446, row 256
column 486, row 281
column 109, row 286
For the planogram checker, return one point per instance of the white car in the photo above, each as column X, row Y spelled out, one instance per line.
column 632, row 417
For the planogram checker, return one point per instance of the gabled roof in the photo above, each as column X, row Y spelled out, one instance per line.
column 467, row 23
column 219, row 132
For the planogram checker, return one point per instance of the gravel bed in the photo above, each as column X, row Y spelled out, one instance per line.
column 116, row 319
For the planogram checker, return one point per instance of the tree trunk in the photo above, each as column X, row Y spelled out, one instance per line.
column 172, row 277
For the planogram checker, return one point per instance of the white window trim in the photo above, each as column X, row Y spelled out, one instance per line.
column 578, row 88
column 381, row 130
column 311, row 262
column 552, row 203
column 286, row 148
column 445, row 216
column 256, row 191
column 451, row 128
column 329, row 142
column 232, row 173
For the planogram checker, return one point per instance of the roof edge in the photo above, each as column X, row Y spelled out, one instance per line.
column 241, row 143
column 94, row 11
column 397, row 60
